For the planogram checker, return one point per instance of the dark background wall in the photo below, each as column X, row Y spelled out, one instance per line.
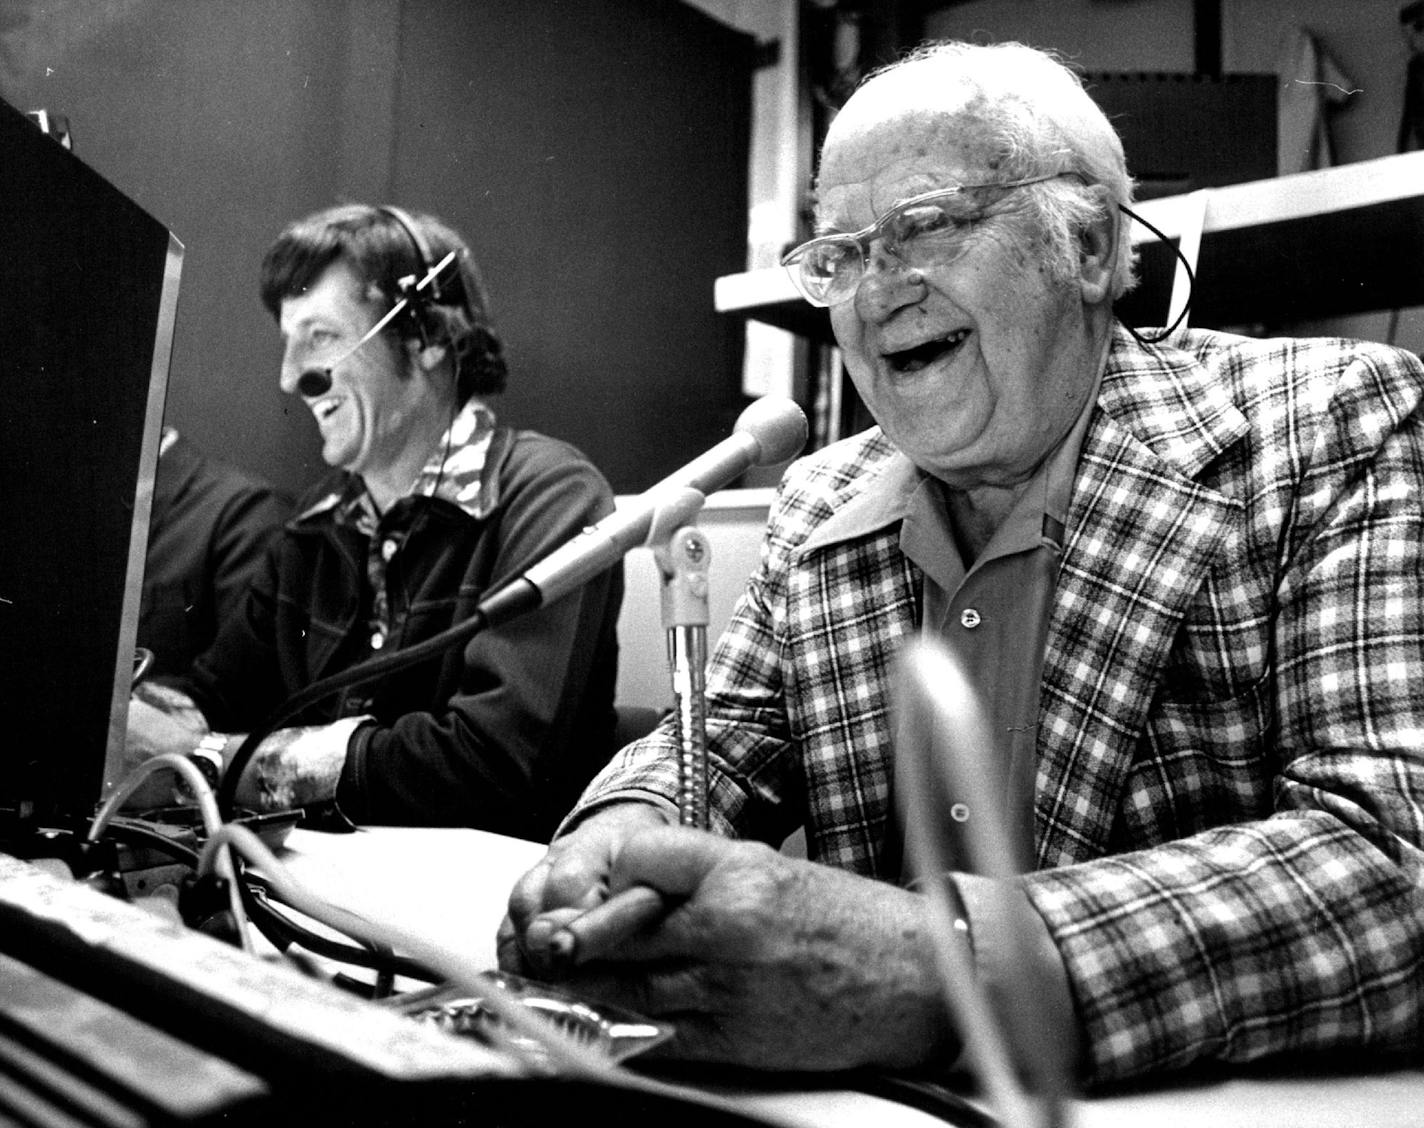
column 592, row 151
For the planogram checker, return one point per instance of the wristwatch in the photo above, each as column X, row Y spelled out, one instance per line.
column 208, row 757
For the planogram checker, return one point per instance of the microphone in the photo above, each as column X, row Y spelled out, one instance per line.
column 942, row 754
column 314, row 382
column 772, row 429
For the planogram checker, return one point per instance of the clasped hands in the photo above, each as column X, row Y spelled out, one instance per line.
column 756, row 958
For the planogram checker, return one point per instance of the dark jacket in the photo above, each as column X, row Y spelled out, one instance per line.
column 209, row 529
column 500, row 733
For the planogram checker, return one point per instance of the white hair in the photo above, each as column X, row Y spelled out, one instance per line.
column 1038, row 119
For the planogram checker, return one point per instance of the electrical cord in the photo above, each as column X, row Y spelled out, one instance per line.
column 575, row 1059
column 525, row 1035
column 133, row 834
column 1191, row 280
column 257, row 903
column 283, row 931
column 207, row 810
column 143, row 664
column 374, row 667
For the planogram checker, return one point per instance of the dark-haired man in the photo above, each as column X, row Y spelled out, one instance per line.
column 430, row 503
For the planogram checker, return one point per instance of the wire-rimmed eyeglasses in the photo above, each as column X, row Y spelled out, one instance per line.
column 928, row 230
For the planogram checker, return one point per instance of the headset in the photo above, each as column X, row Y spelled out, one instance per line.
column 447, row 287
column 434, row 284
column 434, row 292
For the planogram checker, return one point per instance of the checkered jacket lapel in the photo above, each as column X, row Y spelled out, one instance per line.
column 1142, row 534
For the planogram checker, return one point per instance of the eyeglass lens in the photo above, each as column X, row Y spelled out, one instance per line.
column 920, row 233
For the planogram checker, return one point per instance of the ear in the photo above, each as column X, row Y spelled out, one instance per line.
column 1097, row 255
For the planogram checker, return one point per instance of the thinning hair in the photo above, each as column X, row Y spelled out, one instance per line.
column 1035, row 117
column 378, row 247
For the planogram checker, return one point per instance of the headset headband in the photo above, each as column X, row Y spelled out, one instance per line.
column 422, row 248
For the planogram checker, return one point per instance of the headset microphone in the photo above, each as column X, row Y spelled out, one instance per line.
column 317, row 381
column 314, row 382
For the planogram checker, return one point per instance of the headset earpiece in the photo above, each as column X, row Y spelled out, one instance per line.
column 436, row 291
column 478, row 356
column 423, row 254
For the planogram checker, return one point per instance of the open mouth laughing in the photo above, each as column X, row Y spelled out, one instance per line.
column 907, row 361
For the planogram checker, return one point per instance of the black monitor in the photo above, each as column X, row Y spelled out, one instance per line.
column 88, row 297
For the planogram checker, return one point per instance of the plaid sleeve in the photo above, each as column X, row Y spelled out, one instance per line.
column 1303, row 930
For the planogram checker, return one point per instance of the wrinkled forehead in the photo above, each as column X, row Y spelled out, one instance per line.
column 883, row 150
column 338, row 293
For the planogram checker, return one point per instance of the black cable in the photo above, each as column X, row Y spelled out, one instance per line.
column 275, row 925
column 372, row 668
column 928, row 1096
column 134, row 834
column 505, row 604
column 1191, row 280
column 282, row 932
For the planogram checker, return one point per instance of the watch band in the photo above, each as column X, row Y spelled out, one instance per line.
column 207, row 757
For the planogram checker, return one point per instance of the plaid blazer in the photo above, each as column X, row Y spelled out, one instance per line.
column 1229, row 803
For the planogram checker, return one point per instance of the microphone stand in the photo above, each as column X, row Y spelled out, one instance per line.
column 683, row 558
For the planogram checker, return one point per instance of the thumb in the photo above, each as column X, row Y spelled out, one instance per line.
column 673, row 860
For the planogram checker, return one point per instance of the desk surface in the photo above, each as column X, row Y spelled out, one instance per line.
column 452, row 885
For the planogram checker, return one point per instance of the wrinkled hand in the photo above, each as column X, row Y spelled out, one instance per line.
column 569, row 880
column 767, row 961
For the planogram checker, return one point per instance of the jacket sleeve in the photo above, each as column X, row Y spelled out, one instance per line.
column 532, row 717
column 1301, row 931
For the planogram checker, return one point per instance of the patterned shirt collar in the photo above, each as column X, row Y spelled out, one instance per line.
column 902, row 490
column 454, row 473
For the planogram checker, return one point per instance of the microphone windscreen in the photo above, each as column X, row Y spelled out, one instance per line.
column 779, row 427
column 314, row 382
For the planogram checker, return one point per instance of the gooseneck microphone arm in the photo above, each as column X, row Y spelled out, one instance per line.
column 684, row 558
column 771, row 430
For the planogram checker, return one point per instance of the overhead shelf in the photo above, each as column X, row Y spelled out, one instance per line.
column 1342, row 240
column 769, row 296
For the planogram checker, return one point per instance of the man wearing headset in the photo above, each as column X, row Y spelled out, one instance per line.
column 387, row 339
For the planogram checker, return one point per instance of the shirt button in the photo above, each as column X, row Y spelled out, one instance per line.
column 959, row 813
column 969, row 618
